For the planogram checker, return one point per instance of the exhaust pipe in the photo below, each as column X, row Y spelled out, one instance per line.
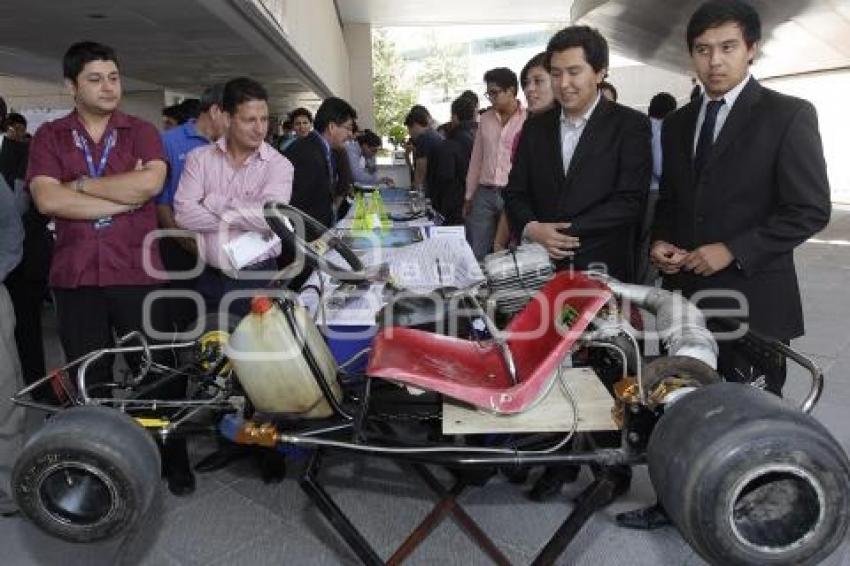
column 680, row 324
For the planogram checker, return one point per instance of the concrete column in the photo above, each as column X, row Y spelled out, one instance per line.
column 358, row 40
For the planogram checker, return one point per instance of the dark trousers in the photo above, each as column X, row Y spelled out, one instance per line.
column 90, row 318
column 28, row 299
column 215, row 285
column 736, row 364
column 179, row 313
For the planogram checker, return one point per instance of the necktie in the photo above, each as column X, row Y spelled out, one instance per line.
column 706, row 136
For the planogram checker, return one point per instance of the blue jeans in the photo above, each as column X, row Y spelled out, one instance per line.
column 483, row 219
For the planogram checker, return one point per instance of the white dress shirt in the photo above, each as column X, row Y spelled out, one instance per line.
column 571, row 130
column 729, row 100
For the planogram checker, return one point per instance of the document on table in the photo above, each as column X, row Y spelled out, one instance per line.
column 420, row 267
column 245, row 249
column 427, row 265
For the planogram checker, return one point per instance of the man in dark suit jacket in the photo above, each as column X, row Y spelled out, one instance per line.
column 27, row 283
column 580, row 179
column 744, row 182
column 582, row 170
column 315, row 167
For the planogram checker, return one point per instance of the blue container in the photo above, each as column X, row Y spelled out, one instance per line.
column 346, row 341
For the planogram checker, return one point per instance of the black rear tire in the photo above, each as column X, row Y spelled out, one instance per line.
column 89, row 474
column 747, row 479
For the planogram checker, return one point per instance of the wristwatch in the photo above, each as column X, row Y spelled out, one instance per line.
column 79, row 184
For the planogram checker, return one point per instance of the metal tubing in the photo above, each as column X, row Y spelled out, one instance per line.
column 334, row 514
column 593, row 498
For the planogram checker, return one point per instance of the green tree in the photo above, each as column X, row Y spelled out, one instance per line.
column 444, row 67
column 391, row 100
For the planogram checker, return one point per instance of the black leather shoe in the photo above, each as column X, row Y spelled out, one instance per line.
column 219, row 459
column 645, row 519
column 553, row 479
column 272, row 465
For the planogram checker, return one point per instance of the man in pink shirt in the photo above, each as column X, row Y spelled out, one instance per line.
column 490, row 163
column 222, row 192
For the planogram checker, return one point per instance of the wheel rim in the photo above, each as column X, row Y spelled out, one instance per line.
column 776, row 508
column 77, row 493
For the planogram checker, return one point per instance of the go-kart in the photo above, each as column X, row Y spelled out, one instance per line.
column 745, row 477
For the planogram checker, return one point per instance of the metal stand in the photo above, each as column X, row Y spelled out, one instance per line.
column 447, row 504
column 607, row 486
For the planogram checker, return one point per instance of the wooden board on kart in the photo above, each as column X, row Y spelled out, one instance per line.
column 552, row 414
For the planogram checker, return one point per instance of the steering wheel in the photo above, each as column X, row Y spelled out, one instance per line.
column 306, row 237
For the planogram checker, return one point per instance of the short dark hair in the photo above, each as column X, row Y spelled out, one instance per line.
column 471, row 96
column 590, row 40
column 605, row 85
column 369, row 138
column 538, row 60
column 502, row 77
column 3, row 109
column 212, row 96
column 15, row 118
column 300, row 112
column 661, row 104
column 715, row 13
column 240, row 90
column 334, row 110
column 191, row 108
column 286, row 124
column 175, row 113
column 463, row 108
column 418, row 115
column 83, row 52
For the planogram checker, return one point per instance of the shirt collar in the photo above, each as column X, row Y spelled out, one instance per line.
column 730, row 97
column 72, row 121
column 191, row 131
column 264, row 153
column 567, row 121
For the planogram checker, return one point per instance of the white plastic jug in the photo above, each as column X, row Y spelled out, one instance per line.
column 269, row 363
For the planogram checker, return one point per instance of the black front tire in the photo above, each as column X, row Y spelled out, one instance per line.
column 89, row 474
column 748, row 479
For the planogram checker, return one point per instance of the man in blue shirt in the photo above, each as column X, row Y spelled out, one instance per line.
column 180, row 254
column 361, row 155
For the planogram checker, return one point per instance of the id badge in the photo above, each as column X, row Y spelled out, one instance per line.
column 102, row 223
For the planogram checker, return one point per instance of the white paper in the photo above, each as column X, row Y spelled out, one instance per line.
column 457, row 232
column 247, row 248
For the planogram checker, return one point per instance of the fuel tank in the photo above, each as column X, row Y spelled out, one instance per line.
column 276, row 354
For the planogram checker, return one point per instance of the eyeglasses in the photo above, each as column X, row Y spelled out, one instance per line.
column 493, row 93
column 349, row 127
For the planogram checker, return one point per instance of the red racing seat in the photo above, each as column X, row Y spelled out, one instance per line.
column 537, row 338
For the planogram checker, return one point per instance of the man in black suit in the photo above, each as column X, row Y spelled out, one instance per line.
column 743, row 183
column 27, row 283
column 582, row 170
column 314, row 162
column 580, row 179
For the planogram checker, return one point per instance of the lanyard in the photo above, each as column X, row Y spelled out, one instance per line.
column 81, row 143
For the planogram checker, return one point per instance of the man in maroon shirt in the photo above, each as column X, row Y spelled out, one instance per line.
column 95, row 171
